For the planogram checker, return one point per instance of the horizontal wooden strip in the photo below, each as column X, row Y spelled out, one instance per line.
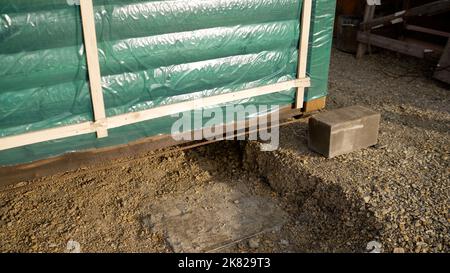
column 131, row 118
column 47, row 135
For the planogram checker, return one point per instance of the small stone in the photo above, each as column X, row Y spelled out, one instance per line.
column 399, row 250
column 253, row 243
column 366, row 199
column 236, row 202
column 284, row 242
column 380, row 146
column 73, row 247
column 374, row 247
column 21, row 184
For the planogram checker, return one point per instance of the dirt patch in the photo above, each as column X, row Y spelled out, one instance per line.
column 216, row 217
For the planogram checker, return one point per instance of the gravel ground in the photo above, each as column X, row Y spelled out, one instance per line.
column 405, row 179
column 396, row 193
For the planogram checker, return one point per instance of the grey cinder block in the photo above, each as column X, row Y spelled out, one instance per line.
column 343, row 130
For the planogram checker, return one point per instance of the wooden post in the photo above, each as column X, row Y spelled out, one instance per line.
column 443, row 70
column 93, row 65
column 369, row 13
column 303, row 50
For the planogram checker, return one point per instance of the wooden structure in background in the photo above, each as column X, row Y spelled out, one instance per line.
column 370, row 32
column 369, row 13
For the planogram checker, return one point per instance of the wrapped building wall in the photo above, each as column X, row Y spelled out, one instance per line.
column 152, row 53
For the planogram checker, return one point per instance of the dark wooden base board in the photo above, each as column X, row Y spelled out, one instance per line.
column 315, row 105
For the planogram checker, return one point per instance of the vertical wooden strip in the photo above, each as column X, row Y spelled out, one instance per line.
column 303, row 49
column 90, row 45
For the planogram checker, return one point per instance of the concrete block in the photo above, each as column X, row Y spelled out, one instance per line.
column 343, row 131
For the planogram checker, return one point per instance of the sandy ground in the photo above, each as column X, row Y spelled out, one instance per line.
column 232, row 197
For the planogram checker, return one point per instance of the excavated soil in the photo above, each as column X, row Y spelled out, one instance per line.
column 233, row 197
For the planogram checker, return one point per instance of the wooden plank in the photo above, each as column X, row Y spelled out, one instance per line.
column 93, row 65
column 427, row 30
column 131, row 118
column 46, row 135
column 432, row 50
column 102, row 158
column 442, row 72
column 303, row 49
column 429, row 9
column 369, row 13
column 394, row 45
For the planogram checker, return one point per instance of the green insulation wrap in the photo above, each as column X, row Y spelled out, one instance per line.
column 151, row 53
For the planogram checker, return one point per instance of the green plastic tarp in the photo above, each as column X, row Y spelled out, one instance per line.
column 152, row 53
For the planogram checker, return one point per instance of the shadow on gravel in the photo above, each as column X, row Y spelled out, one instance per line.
column 332, row 220
column 323, row 218
column 418, row 121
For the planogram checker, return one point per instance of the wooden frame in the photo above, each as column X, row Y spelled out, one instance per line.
column 101, row 123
